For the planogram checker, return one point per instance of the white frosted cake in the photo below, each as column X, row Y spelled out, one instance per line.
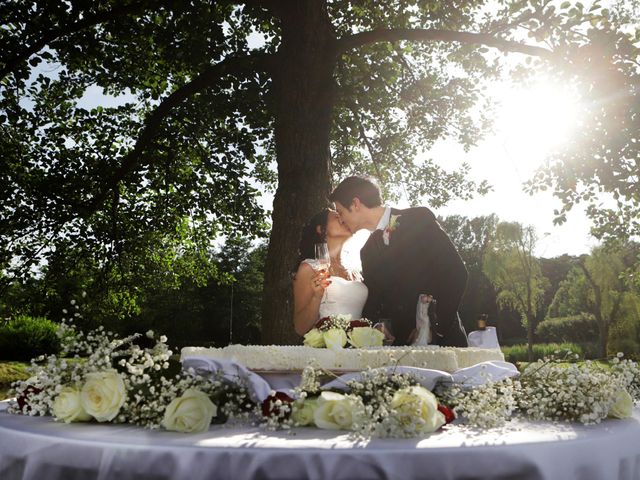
column 293, row 357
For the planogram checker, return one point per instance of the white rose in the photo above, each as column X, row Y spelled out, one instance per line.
column 416, row 410
column 68, row 408
column 190, row 413
column 335, row 411
column 314, row 338
column 103, row 394
column 623, row 405
column 335, row 338
column 303, row 411
column 362, row 337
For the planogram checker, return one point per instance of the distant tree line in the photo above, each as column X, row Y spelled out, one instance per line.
column 591, row 299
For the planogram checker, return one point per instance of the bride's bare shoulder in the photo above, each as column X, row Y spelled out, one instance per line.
column 305, row 270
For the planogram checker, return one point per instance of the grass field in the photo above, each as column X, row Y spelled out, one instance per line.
column 10, row 372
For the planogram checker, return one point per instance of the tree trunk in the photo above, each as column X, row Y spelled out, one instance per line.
column 530, row 336
column 603, row 326
column 530, row 315
column 302, row 99
column 604, row 338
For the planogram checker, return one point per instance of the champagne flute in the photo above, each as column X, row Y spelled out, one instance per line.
column 323, row 261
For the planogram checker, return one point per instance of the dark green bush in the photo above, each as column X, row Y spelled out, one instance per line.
column 24, row 337
column 581, row 328
column 518, row 353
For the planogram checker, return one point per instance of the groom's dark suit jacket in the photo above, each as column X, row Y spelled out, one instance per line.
column 420, row 258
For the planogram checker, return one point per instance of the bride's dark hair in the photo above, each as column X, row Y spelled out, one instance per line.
column 311, row 235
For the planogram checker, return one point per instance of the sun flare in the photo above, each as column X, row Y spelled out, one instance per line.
column 535, row 120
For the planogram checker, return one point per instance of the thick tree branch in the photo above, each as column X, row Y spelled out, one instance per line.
column 597, row 292
column 363, row 136
column 430, row 35
column 208, row 78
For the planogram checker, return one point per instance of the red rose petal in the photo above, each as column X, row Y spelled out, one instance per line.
column 270, row 409
column 449, row 416
column 23, row 402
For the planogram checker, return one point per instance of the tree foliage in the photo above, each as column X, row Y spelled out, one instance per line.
column 598, row 164
column 581, row 328
column 515, row 272
column 472, row 238
column 601, row 284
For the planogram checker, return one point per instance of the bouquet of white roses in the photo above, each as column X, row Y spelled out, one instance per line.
column 336, row 330
column 124, row 380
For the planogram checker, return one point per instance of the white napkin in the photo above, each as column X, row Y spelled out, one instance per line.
column 481, row 373
column 426, row 377
column 259, row 389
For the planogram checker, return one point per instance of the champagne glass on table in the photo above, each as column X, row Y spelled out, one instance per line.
column 323, row 261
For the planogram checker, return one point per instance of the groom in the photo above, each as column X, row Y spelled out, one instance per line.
column 407, row 254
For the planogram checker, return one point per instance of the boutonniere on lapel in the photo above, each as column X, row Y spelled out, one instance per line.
column 394, row 221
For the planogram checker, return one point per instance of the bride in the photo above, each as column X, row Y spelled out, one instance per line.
column 338, row 290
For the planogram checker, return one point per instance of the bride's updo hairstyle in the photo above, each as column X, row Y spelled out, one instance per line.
column 311, row 235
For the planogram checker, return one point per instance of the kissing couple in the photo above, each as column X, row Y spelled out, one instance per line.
column 407, row 261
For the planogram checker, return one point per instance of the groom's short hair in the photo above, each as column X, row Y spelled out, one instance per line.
column 364, row 188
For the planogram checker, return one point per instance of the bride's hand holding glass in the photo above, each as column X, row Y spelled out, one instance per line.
column 319, row 282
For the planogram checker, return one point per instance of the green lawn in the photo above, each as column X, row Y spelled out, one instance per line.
column 10, row 372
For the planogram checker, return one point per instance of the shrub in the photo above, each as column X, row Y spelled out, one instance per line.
column 624, row 336
column 518, row 353
column 24, row 337
column 9, row 373
column 513, row 341
column 581, row 328
column 591, row 350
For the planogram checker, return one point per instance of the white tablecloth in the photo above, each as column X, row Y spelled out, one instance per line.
column 487, row 338
column 34, row 448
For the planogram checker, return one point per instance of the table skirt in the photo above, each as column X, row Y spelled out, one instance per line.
column 37, row 448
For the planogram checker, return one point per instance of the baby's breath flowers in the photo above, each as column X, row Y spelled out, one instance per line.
column 126, row 380
column 583, row 392
column 276, row 410
column 486, row 406
column 552, row 389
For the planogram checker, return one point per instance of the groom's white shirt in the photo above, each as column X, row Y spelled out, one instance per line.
column 384, row 220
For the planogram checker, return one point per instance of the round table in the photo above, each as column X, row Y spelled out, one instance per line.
column 37, row 448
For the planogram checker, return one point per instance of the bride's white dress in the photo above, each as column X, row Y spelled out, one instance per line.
column 343, row 297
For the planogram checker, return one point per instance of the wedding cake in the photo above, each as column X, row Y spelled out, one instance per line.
column 293, row 357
